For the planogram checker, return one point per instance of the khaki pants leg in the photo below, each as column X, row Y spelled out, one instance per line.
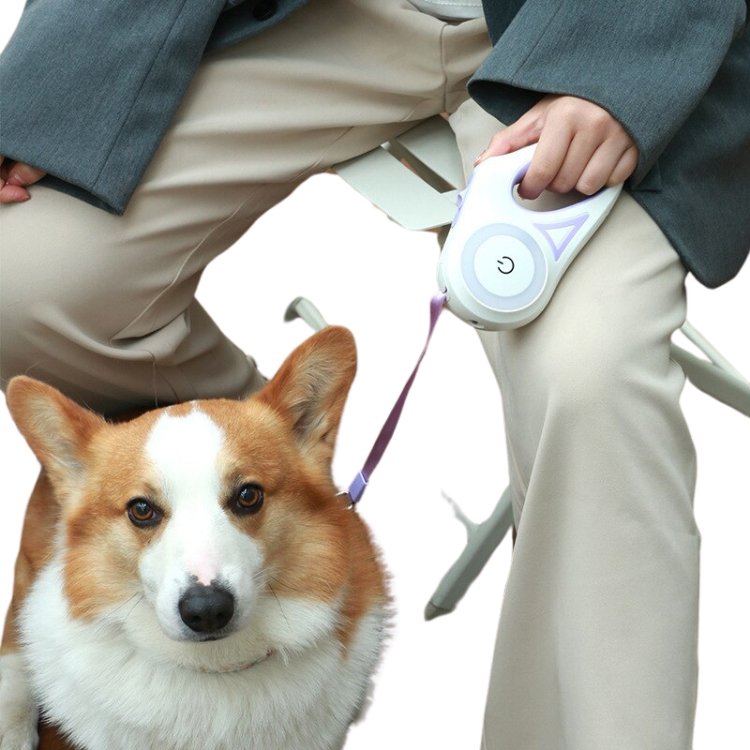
column 597, row 643
column 103, row 306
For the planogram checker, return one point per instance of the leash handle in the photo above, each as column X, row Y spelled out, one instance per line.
column 357, row 487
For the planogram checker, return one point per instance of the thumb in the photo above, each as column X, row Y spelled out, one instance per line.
column 23, row 174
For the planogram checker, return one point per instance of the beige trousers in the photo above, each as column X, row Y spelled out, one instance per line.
column 597, row 645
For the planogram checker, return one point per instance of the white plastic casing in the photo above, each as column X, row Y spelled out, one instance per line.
column 501, row 262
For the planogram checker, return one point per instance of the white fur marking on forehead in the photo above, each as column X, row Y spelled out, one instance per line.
column 199, row 541
column 185, row 451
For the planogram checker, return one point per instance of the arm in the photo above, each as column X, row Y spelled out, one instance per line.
column 84, row 84
column 639, row 66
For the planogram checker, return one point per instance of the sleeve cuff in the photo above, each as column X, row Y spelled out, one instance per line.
column 89, row 89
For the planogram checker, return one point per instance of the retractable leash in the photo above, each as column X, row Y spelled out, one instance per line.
column 500, row 264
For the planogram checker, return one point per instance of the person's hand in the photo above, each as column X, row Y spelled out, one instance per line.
column 13, row 177
column 581, row 146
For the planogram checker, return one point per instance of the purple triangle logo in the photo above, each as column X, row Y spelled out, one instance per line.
column 575, row 224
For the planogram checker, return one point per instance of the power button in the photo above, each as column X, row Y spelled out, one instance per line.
column 504, row 265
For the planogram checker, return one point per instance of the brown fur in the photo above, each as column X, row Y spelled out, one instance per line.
column 38, row 527
column 51, row 739
column 42, row 516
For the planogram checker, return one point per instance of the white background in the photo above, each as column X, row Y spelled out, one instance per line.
column 328, row 244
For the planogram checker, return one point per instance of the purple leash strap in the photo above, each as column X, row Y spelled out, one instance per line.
column 357, row 487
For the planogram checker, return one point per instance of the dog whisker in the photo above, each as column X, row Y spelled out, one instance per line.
column 280, row 607
column 104, row 622
column 287, row 585
column 133, row 607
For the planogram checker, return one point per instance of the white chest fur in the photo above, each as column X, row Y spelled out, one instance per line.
column 93, row 681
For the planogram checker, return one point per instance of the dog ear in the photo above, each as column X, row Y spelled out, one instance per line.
column 311, row 387
column 56, row 429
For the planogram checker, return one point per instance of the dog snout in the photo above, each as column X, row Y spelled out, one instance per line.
column 206, row 609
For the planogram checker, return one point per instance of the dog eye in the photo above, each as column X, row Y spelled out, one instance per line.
column 248, row 499
column 141, row 513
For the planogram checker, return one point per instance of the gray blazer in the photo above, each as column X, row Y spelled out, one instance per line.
column 89, row 88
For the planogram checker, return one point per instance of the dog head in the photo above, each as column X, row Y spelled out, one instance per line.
column 208, row 532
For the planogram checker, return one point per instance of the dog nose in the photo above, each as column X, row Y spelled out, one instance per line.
column 206, row 609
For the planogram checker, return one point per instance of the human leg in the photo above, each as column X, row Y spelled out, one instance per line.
column 597, row 643
column 103, row 306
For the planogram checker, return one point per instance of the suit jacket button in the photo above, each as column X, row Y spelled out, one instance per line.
column 264, row 9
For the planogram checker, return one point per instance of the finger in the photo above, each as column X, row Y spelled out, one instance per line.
column 13, row 194
column 512, row 138
column 546, row 162
column 23, row 174
column 625, row 167
column 600, row 167
column 2, row 180
column 581, row 149
column 521, row 133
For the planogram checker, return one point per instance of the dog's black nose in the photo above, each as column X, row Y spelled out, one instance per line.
column 206, row 609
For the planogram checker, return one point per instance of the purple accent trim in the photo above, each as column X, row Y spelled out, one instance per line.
column 461, row 200
column 357, row 487
column 575, row 223
column 519, row 176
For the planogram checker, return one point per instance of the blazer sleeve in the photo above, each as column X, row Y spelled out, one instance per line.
column 89, row 88
column 647, row 63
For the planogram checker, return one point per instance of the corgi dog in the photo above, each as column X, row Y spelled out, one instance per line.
column 198, row 585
